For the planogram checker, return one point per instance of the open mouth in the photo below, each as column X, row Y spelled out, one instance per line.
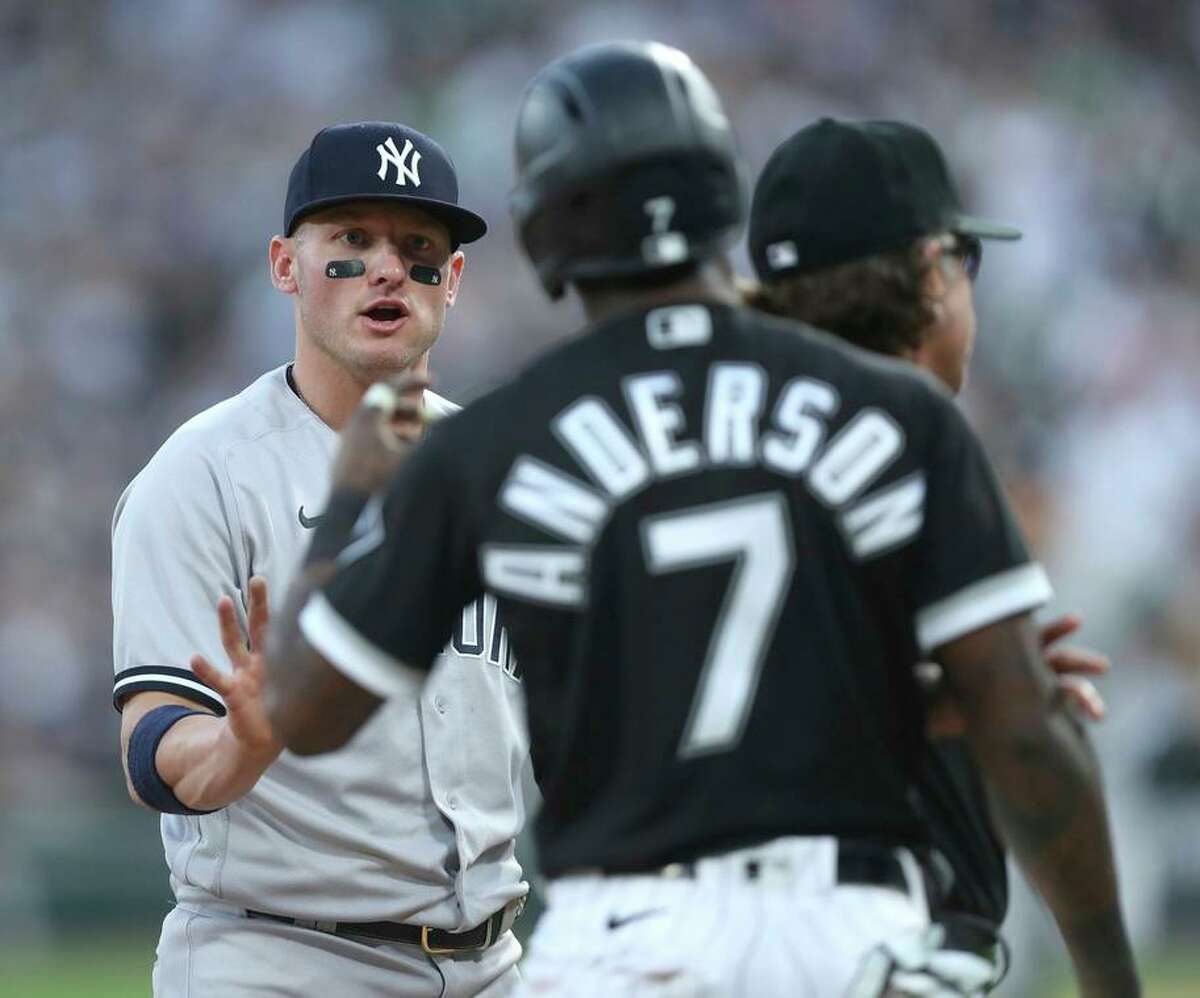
column 385, row 314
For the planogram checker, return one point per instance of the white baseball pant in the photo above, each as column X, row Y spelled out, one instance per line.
column 762, row 922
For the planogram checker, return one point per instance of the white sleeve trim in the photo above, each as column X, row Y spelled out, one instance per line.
column 982, row 603
column 355, row 657
column 165, row 679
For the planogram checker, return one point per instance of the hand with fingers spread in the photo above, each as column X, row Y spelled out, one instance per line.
column 208, row 761
column 1072, row 667
column 242, row 689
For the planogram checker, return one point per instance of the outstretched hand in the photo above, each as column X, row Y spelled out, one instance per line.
column 242, row 689
column 1072, row 666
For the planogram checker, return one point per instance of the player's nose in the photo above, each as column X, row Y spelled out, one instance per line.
column 389, row 267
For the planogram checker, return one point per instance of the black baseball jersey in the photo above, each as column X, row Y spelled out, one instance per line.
column 720, row 542
column 953, row 800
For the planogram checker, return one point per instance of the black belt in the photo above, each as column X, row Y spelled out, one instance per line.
column 871, row 865
column 431, row 940
column 858, row 863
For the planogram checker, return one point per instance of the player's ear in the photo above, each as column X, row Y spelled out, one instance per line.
column 282, row 256
column 943, row 270
column 454, row 275
column 934, row 278
column 935, row 281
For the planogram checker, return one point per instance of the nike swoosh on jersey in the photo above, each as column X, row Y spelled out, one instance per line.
column 615, row 923
column 309, row 522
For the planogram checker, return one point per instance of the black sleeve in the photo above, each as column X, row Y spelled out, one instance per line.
column 971, row 567
column 403, row 581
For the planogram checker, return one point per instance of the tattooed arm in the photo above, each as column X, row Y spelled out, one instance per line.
column 1046, row 792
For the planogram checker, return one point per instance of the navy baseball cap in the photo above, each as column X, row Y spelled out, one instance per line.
column 378, row 161
column 838, row 191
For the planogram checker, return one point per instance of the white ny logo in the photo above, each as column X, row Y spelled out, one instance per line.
column 406, row 165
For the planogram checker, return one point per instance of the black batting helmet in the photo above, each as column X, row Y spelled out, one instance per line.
column 626, row 164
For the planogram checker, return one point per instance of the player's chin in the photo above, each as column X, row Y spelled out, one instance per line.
column 382, row 355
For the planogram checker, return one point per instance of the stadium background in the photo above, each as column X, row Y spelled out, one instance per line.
column 144, row 149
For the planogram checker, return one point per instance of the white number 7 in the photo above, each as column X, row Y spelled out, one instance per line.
column 755, row 535
column 661, row 210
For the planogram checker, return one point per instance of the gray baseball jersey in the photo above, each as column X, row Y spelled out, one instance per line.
column 414, row 820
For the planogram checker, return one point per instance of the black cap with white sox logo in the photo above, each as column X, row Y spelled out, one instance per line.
column 378, row 161
column 838, row 191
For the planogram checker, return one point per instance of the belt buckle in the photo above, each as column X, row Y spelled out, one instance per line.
column 428, row 947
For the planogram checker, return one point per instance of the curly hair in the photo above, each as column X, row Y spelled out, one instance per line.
column 878, row 303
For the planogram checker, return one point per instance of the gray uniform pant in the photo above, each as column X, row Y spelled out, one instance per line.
column 206, row 953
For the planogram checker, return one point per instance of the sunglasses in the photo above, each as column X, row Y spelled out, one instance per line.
column 968, row 250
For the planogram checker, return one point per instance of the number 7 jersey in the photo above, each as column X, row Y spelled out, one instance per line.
column 721, row 542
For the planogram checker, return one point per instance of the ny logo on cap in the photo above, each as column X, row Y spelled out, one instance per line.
column 406, row 161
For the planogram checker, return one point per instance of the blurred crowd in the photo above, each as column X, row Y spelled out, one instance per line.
column 145, row 151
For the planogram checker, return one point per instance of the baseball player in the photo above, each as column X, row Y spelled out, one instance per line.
column 707, row 532
column 388, row 868
column 857, row 228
